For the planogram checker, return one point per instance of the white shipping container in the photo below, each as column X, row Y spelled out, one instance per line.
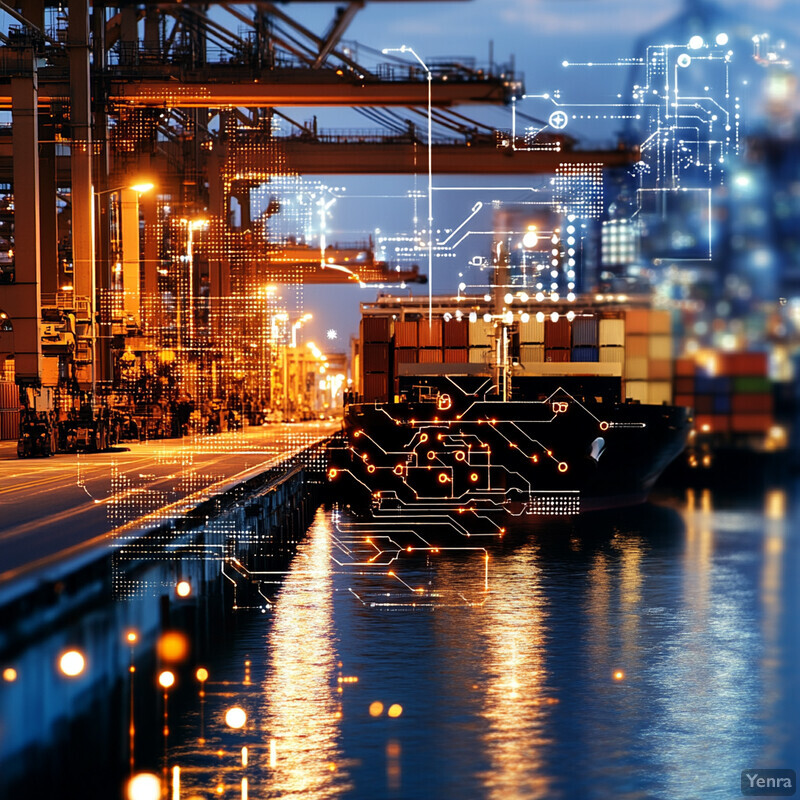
column 611, row 332
column 659, row 392
column 636, row 368
column 481, row 334
column 637, row 390
column 531, row 332
column 480, row 355
column 611, row 354
column 660, row 346
column 531, row 354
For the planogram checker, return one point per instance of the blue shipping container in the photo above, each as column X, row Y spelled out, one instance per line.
column 584, row 333
column 584, row 353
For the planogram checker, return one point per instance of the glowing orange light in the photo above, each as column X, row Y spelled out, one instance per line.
column 235, row 717
column 395, row 710
column 375, row 708
column 166, row 679
column 131, row 636
column 563, row 466
column 9, row 674
column 183, row 589
column 619, row 675
column 144, row 786
column 431, row 455
column 371, row 468
column 444, row 402
column 460, row 455
column 201, row 674
column 332, row 473
column 443, row 478
column 409, row 549
column 72, row 663
column 603, row 426
column 423, row 437
column 534, row 458
column 474, row 477
column 173, row 646
column 398, row 470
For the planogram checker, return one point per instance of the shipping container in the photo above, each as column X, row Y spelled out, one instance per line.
column 660, row 369
column 637, row 320
column 456, row 333
column 751, row 404
column 405, row 333
column 704, row 403
column 660, row 346
column 659, row 392
column 722, row 404
column 531, row 354
column 584, row 332
column 742, row 364
column 637, row 346
column 9, row 425
column 751, row 423
column 375, row 329
column 9, row 396
column 481, row 334
column 684, row 385
column 611, row 354
column 636, row 369
column 636, row 390
column 532, row 331
column 376, row 387
column 557, row 334
column 611, row 332
column 751, row 385
column 685, row 367
column 557, row 355
column 430, row 332
column 585, row 353
column 430, row 355
column 480, row 355
column 686, row 400
column 456, row 355
column 660, row 322
column 406, row 355
column 375, row 357
column 713, row 384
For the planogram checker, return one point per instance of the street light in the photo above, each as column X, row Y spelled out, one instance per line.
column 407, row 49
column 192, row 225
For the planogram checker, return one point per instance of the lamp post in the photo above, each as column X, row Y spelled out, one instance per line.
column 102, row 231
column 192, row 225
column 406, row 49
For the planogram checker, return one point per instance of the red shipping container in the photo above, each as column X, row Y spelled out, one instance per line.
column 375, row 357
column 405, row 355
column 557, row 355
column 456, row 355
column 430, row 333
column 659, row 369
column 405, row 333
column 557, row 334
column 637, row 320
column 751, row 404
column 684, row 385
column 430, row 355
column 685, row 367
column 456, row 334
column 375, row 329
column 684, row 400
column 704, row 423
column 704, row 403
column 742, row 364
column 751, row 423
column 376, row 387
column 720, row 423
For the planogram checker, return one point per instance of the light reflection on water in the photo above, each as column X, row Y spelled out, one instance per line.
column 645, row 655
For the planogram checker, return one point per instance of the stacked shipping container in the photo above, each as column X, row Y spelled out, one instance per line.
column 733, row 398
column 9, row 411
column 637, row 339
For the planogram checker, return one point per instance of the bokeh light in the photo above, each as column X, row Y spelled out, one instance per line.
column 72, row 663
column 183, row 589
column 166, row 678
column 376, row 709
column 144, row 786
column 235, row 717
column 395, row 710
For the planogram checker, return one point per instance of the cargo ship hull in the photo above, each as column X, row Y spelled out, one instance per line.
column 456, row 448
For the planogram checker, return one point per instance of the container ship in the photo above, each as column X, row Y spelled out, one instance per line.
column 467, row 409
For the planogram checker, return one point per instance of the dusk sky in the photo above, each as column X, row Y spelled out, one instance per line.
column 539, row 35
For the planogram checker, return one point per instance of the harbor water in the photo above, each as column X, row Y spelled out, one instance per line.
column 646, row 654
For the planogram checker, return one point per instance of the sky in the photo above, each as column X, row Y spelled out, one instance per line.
column 538, row 36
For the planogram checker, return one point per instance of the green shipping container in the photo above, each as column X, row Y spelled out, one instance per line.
column 751, row 385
